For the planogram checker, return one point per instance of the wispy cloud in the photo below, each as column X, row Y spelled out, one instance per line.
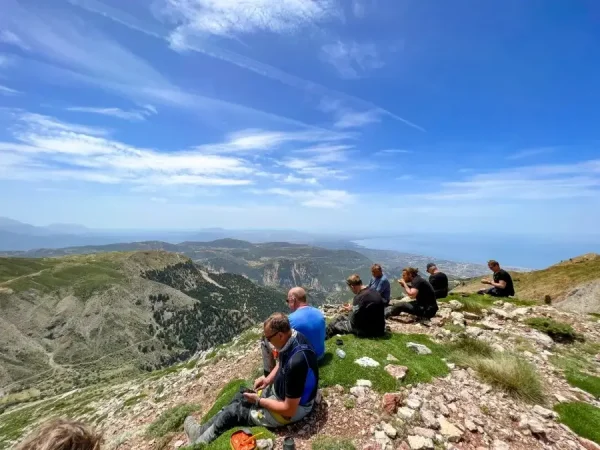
column 527, row 183
column 529, row 152
column 325, row 198
column 291, row 179
column 353, row 119
column 8, row 37
column 4, row 90
column 208, row 48
column 352, row 59
column 392, row 151
column 229, row 18
column 133, row 115
column 48, row 149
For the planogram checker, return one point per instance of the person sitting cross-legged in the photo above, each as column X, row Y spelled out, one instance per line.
column 424, row 306
column 501, row 284
column 287, row 397
column 365, row 316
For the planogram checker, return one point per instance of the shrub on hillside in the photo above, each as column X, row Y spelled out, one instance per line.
column 511, row 374
column 558, row 331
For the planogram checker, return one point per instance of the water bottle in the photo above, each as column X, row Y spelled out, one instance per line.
column 341, row 353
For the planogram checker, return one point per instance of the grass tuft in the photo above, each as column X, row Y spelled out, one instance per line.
column 510, row 373
column 472, row 347
column 346, row 372
column 558, row 331
column 582, row 418
column 170, row 420
column 332, row 443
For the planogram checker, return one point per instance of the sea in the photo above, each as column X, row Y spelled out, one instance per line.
column 532, row 252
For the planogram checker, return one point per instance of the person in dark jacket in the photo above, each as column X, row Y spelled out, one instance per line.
column 424, row 305
column 366, row 315
column 438, row 280
column 502, row 283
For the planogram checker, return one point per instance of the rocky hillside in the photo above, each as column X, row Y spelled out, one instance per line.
column 573, row 285
column 82, row 319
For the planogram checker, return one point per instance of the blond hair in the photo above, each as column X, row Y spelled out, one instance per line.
column 62, row 434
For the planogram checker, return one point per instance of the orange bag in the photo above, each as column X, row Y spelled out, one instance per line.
column 242, row 440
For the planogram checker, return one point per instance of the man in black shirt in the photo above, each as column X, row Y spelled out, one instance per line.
column 285, row 396
column 502, row 284
column 366, row 318
column 424, row 306
column 438, row 280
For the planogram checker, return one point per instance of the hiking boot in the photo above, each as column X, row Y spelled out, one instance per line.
column 192, row 429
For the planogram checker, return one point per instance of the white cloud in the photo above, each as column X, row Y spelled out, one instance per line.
column 528, row 183
column 352, row 59
column 229, row 18
column 358, row 8
column 8, row 37
column 325, row 198
column 4, row 90
column 208, row 48
column 392, row 151
column 354, row 119
column 46, row 148
column 291, row 179
column 133, row 115
column 529, row 152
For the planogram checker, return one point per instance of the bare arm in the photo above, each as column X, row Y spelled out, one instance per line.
column 271, row 377
column 286, row 408
column 500, row 284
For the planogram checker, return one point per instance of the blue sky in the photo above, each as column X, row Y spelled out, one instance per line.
column 358, row 115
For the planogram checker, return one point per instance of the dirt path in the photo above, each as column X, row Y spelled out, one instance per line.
column 35, row 274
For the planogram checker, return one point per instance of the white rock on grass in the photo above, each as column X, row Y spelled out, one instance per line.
column 365, row 361
column 543, row 412
column 420, row 349
column 414, row 402
column 449, row 430
column 390, row 357
column 264, row 444
column 499, row 445
column 405, row 413
column 398, row 372
column 455, row 305
column 364, row 383
column 420, row 443
column 389, row 430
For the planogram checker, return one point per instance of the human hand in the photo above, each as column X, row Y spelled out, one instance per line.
column 260, row 383
column 251, row 397
column 486, row 281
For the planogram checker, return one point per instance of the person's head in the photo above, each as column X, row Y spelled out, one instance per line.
column 354, row 283
column 376, row 271
column 431, row 268
column 62, row 434
column 409, row 274
column 277, row 330
column 296, row 298
column 493, row 265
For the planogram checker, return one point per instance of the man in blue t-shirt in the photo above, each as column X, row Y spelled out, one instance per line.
column 307, row 319
column 380, row 283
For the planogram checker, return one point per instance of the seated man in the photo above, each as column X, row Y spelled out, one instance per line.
column 424, row 306
column 502, row 284
column 307, row 320
column 438, row 280
column 366, row 316
column 283, row 397
column 380, row 283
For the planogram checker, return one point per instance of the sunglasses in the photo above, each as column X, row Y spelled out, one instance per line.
column 268, row 338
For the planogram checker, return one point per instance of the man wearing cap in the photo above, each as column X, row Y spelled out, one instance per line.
column 438, row 280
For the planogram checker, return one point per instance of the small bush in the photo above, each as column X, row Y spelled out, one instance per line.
column 454, row 328
column 170, row 420
column 349, row 403
column 511, row 374
column 582, row 418
column 332, row 443
column 558, row 331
